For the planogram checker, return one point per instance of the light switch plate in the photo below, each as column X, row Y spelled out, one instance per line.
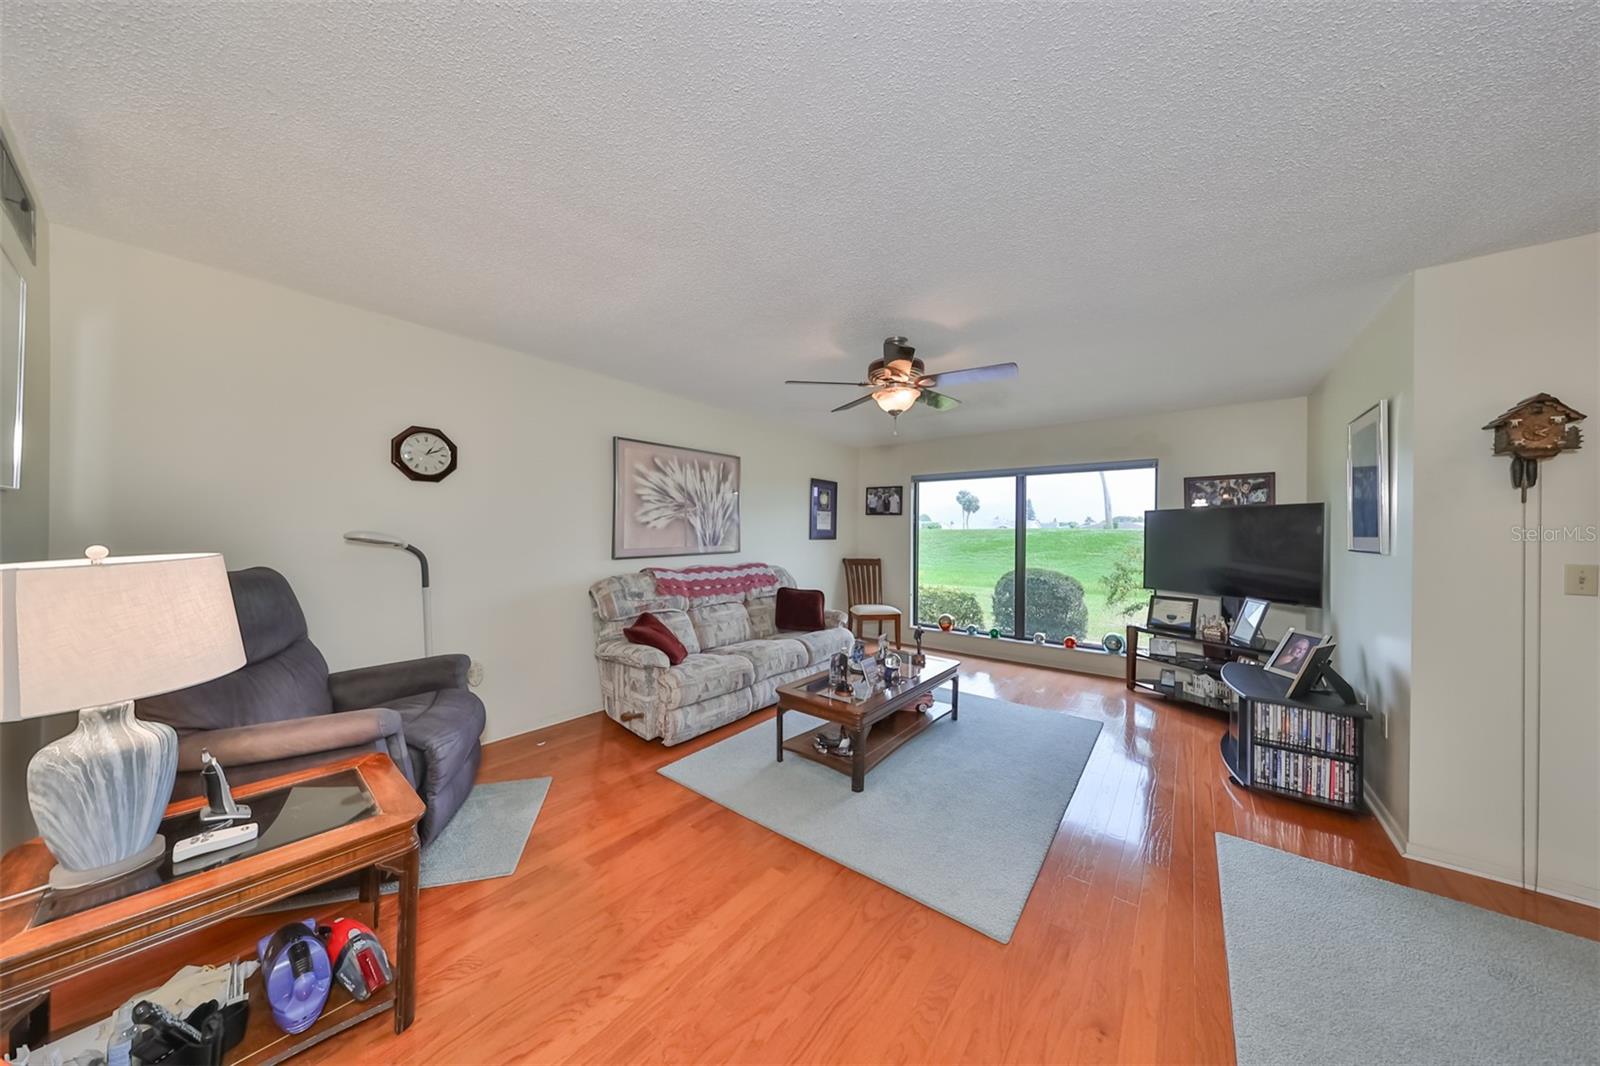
column 1582, row 579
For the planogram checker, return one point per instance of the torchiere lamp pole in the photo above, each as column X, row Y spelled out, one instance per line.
column 389, row 540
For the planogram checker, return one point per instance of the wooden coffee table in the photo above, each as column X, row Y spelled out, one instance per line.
column 354, row 816
column 876, row 726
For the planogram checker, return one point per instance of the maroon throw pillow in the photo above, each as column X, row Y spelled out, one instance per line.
column 800, row 609
column 652, row 632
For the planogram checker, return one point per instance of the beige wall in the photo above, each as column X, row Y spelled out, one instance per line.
column 1217, row 440
column 1369, row 596
column 198, row 409
column 25, row 513
column 1505, row 737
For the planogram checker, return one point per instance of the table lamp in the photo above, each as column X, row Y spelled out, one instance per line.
column 92, row 635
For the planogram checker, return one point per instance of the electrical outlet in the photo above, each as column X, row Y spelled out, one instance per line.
column 1582, row 579
column 475, row 674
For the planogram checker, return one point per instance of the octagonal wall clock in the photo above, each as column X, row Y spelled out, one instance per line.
column 423, row 453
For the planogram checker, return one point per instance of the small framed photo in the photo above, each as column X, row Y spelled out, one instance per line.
column 1169, row 679
column 885, row 500
column 1247, row 623
column 1295, row 655
column 824, row 509
column 1172, row 612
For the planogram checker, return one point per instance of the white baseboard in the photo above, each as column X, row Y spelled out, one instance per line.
column 1505, row 875
column 1571, row 891
column 1391, row 827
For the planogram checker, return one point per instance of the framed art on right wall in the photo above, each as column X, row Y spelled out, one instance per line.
column 1369, row 497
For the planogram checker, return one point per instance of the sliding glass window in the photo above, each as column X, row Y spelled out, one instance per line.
column 1076, row 532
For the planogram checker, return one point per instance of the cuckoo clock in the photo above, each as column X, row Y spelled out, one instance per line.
column 1540, row 427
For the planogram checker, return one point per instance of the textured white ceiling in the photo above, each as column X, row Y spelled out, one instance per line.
column 1148, row 206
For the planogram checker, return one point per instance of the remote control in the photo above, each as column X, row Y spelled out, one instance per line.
column 225, row 836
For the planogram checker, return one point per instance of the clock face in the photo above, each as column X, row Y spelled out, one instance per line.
column 423, row 454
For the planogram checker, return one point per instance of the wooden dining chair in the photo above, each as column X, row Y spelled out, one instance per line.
column 863, row 582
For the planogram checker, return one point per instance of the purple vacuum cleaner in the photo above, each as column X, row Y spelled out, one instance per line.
column 294, row 966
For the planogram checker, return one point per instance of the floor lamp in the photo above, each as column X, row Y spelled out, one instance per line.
column 389, row 540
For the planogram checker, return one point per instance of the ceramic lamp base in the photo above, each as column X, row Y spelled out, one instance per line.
column 99, row 792
column 65, row 880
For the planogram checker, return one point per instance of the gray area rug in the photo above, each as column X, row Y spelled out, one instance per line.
column 960, row 818
column 1331, row 966
column 484, row 840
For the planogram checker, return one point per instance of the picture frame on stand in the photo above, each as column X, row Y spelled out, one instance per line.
column 1175, row 614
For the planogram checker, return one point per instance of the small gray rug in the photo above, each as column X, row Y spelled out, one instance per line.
column 960, row 818
column 1331, row 966
column 484, row 840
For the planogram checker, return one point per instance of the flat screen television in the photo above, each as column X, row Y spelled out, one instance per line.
column 1270, row 553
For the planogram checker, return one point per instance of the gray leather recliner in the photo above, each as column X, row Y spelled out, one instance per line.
column 283, row 710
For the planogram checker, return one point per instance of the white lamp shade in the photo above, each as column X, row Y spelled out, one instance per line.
column 76, row 634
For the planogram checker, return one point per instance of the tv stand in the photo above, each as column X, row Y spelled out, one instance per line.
column 1194, row 655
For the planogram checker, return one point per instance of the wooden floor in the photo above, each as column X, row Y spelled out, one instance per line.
column 646, row 923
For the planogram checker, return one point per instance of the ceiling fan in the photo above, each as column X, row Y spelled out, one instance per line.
column 899, row 380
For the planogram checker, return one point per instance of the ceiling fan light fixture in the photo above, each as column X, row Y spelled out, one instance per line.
column 896, row 398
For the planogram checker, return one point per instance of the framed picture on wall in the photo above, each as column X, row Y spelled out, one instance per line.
column 824, row 509
column 1368, row 496
column 885, row 500
column 667, row 500
column 1230, row 490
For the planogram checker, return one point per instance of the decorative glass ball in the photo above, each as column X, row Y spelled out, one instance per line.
column 994, row 634
column 946, row 623
column 972, row 630
column 1112, row 643
column 1040, row 638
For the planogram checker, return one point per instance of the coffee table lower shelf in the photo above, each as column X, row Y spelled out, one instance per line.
column 882, row 737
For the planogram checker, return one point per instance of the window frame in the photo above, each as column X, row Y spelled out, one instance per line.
column 1019, row 525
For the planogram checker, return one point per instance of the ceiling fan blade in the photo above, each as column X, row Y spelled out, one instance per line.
column 852, row 403
column 992, row 372
column 852, row 384
column 938, row 400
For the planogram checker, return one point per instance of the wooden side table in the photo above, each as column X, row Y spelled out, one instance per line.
column 356, row 816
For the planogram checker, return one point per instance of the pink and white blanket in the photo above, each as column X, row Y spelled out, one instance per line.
column 707, row 582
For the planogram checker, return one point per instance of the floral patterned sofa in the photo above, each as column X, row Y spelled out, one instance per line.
column 737, row 655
